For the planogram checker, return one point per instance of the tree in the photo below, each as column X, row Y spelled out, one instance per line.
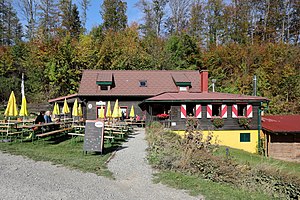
column 70, row 18
column 48, row 18
column 75, row 28
column 179, row 14
column 196, row 21
column 183, row 52
column 29, row 9
column 114, row 15
column 84, row 7
column 10, row 27
column 154, row 13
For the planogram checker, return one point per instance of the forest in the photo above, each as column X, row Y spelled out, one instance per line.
column 233, row 39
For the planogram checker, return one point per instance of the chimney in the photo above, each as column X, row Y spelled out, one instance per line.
column 204, row 80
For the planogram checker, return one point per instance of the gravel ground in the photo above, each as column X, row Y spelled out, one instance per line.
column 21, row 178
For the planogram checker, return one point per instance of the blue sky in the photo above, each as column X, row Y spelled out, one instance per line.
column 94, row 18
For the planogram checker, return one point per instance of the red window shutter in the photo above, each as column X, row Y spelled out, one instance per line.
column 209, row 111
column 224, row 111
column 198, row 111
column 249, row 113
column 234, row 111
column 183, row 111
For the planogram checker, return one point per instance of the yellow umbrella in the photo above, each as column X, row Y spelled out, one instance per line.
column 120, row 112
column 11, row 109
column 101, row 114
column 131, row 114
column 55, row 109
column 116, row 111
column 75, row 109
column 23, row 111
column 79, row 110
column 66, row 109
column 108, row 110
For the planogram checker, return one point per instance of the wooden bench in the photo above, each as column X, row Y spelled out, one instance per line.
column 53, row 132
column 109, row 138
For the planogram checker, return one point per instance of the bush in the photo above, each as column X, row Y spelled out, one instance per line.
column 193, row 154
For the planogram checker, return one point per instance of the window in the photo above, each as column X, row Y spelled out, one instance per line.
column 190, row 110
column 216, row 110
column 103, row 87
column 182, row 88
column 242, row 109
column 143, row 83
column 244, row 137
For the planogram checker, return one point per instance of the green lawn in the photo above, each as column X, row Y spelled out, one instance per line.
column 253, row 159
column 63, row 152
column 210, row 190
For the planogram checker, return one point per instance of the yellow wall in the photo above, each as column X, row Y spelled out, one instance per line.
column 232, row 139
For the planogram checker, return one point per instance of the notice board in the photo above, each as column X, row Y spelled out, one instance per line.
column 93, row 136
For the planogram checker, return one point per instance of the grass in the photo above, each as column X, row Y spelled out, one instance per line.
column 253, row 160
column 63, row 152
column 210, row 190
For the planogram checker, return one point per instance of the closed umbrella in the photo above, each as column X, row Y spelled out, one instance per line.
column 108, row 110
column 23, row 111
column 131, row 114
column 75, row 109
column 79, row 110
column 101, row 114
column 116, row 113
column 66, row 109
column 55, row 109
column 11, row 109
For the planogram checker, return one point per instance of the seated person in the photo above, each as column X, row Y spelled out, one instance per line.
column 40, row 118
column 137, row 118
column 47, row 117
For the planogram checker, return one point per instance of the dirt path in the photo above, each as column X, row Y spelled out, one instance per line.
column 21, row 178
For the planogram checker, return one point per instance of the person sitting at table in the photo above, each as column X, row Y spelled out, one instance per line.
column 40, row 118
column 47, row 117
column 137, row 118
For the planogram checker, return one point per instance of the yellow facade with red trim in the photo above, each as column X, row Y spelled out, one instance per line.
column 231, row 138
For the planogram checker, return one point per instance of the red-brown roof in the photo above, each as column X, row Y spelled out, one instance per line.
column 71, row 96
column 186, row 96
column 127, row 82
column 281, row 123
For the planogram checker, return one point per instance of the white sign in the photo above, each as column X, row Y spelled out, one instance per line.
column 99, row 124
column 100, row 103
column 173, row 123
column 90, row 106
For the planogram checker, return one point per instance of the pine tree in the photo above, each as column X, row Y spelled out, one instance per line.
column 114, row 15
column 10, row 27
column 75, row 25
column 48, row 18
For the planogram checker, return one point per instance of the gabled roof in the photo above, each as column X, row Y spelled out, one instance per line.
column 205, row 96
column 281, row 123
column 127, row 82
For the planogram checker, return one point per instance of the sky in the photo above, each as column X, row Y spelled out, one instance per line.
column 94, row 18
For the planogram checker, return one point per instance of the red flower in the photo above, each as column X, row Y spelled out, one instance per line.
column 163, row 116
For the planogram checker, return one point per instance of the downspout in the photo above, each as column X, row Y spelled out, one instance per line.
column 260, row 109
column 258, row 128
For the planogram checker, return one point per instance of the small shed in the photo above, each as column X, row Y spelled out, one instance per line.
column 282, row 136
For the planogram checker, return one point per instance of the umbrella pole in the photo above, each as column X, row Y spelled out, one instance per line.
column 8, row 125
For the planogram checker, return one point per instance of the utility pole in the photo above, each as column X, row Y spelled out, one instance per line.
column 254, row 86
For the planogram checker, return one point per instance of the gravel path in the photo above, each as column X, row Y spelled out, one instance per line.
column 22, row 178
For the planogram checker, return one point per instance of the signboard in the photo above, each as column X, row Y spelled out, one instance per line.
column 100, row 103
column 94, row 136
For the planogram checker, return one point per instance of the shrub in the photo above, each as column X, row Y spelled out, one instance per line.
column 244, row 122
column 192, row 154
column 218, row 122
